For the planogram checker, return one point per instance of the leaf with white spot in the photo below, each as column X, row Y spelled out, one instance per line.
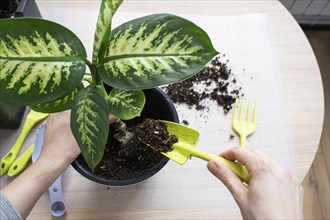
column 126, row 104
column 89, row 123
column 40, row 61
column 103, row 27
column 62, row 104
column 155, row 50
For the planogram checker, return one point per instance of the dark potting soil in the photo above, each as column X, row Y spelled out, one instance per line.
column 134, row 157
column 219, row 86
column 154, row 133
column 8, row 8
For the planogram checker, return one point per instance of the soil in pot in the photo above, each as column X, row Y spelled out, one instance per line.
column 8, row 8
column 125, row 159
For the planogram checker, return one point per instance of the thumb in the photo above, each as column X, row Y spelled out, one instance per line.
column 112, row 119
column 227, row 177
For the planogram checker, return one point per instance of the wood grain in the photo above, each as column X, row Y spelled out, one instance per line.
column 316, row 183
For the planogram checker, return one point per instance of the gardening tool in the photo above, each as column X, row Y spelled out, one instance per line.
column 244, row 128
column 185, row 148
column 19, row 164
column 31, row 119
column 57, row 206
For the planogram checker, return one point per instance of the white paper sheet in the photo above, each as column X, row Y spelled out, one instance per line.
column 247, row 42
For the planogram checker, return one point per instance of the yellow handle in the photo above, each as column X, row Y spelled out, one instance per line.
column 31, row 119
column 242, row 140
column 9, row 158
column 237, row 168
column 20, row 163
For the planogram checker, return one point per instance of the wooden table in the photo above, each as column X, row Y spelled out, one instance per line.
column 162, row 196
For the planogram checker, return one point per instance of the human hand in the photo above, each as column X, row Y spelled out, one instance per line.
column 272, row 193
column 58, row 151
column 59, row 143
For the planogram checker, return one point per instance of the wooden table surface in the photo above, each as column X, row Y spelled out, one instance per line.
column 302, row 102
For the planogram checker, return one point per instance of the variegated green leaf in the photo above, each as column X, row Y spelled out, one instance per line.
column 40, row 61
column 155, row 50
column 58, row 105
column 89, row 123
column 103, row 27
column 126, row 104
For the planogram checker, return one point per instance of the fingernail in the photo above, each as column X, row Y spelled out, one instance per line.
column 212, row 166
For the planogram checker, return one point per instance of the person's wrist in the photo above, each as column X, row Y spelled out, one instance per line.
column 65, row 154
column 53, row 165
column 54, row 160
column 45, row 171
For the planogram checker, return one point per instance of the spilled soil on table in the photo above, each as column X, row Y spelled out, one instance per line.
column 214, row 83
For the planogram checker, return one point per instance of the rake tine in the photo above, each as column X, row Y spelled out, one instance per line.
column 248, row 113
column 244, row 127
column 241, row 111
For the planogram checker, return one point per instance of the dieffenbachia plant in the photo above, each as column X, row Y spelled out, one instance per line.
column 43, row 65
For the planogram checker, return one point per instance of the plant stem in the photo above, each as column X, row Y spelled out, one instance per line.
column 88, row 78
column 101, row 86
column 92, row 70
column 95, row 75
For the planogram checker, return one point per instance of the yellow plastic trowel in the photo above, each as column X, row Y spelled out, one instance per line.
column 185, row 148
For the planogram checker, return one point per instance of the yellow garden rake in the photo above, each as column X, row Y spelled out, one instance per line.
column 244, row 127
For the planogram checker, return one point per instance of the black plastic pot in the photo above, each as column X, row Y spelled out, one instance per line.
column 27, row 8
column 158, row 106
column 11, row 116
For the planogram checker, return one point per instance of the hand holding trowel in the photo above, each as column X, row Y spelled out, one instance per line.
column 185, row 148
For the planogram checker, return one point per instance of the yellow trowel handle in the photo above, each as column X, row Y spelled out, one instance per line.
column 9, row 158
column 20, row 163
column 237, row 168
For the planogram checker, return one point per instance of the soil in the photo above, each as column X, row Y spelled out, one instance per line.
column 217, row 82
column 154, row 133
column 8, row 8
column 126, row 159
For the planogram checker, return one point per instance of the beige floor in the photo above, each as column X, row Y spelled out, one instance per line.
column 316, row 183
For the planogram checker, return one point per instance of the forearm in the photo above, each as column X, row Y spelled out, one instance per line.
column 58, row 151
column 26, row 189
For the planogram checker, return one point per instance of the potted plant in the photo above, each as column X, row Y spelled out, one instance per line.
column 11, row 116
column 43, row 65
column 131, row 163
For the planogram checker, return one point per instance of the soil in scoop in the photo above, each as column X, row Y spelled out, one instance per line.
column 8, row 8
column 134, row 157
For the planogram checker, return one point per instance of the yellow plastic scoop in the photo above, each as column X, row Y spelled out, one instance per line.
column 185, row 148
